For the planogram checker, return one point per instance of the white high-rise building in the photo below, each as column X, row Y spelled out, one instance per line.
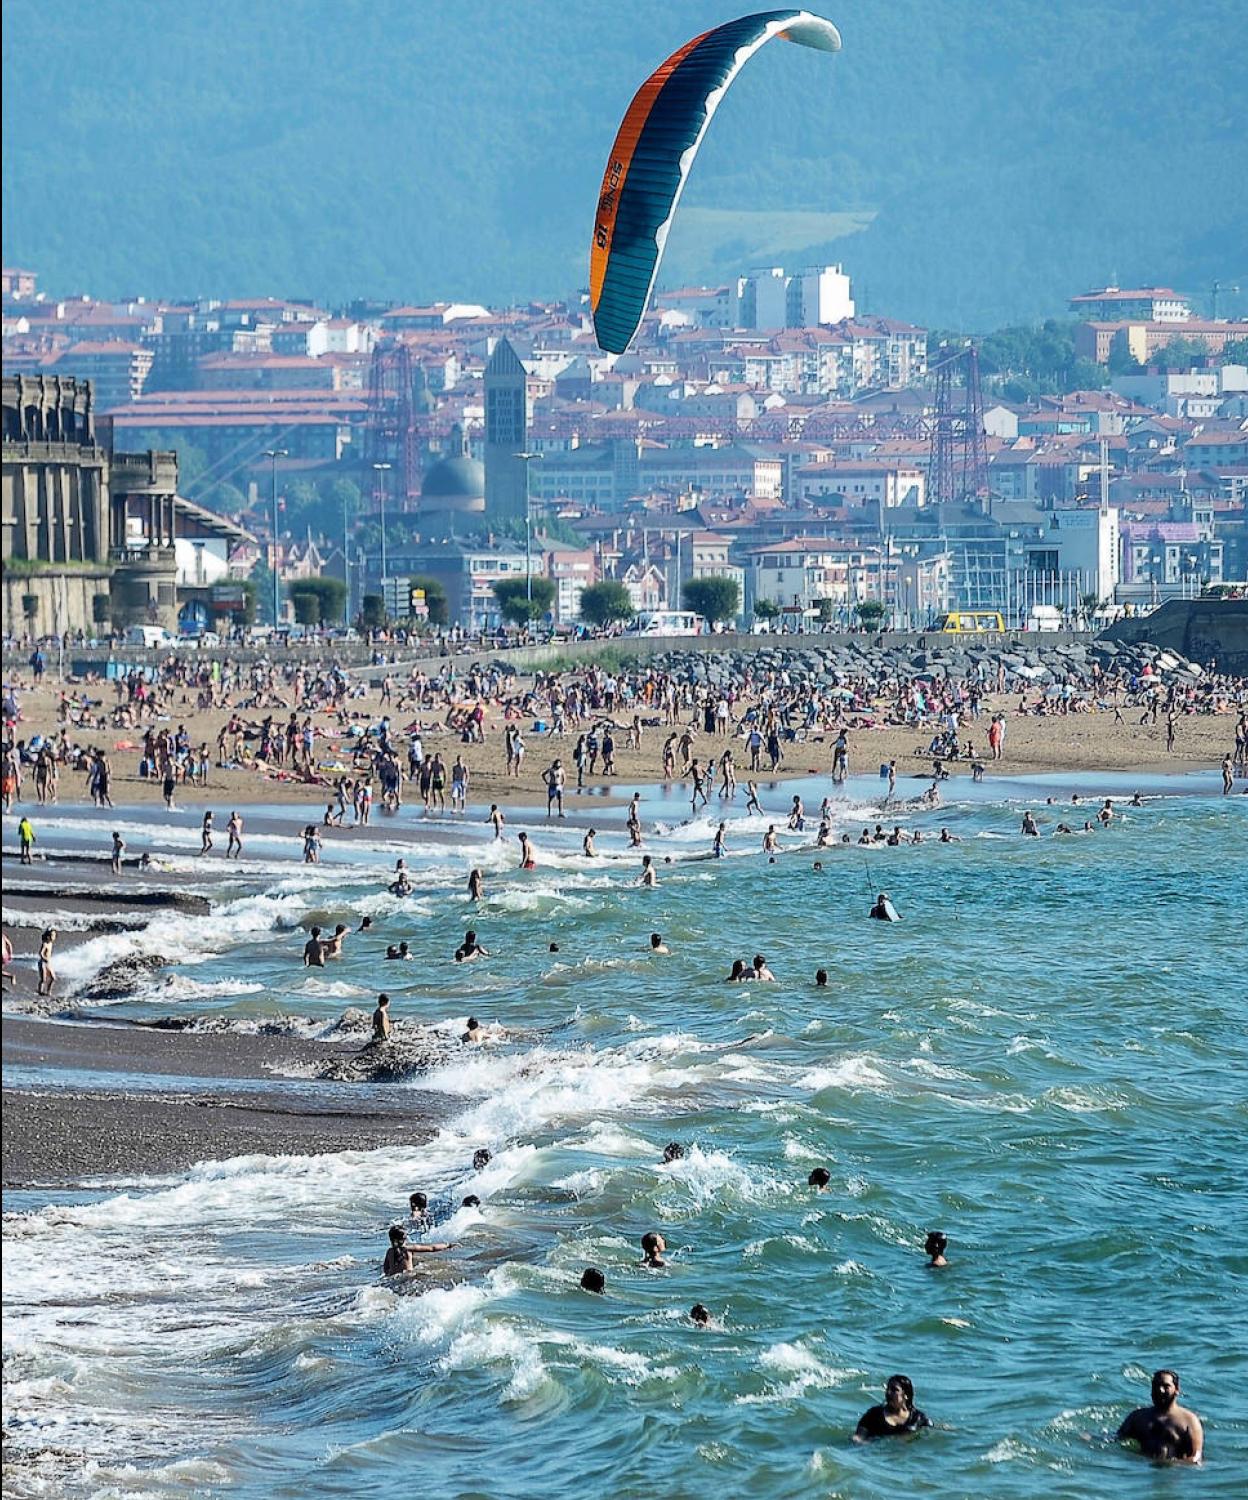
column 820, row 294
column 770, row 299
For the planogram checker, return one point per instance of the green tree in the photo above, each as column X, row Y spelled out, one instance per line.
column 870, row 613
column 766, row 609
column 601, row 603
column 1178, row 354
column 514, row 602
column 435, row 598
column 826, row 610
column 330, row 595
column 261, row 579
column 1235, row 352
column 372, row 612
column 714, row 597
column 247, row 614
column 307, row 606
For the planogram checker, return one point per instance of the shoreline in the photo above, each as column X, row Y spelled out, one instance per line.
column 57, row 1135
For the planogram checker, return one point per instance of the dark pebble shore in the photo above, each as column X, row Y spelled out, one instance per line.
column 60, row 1135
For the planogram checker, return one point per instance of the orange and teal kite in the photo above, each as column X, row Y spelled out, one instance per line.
column 653, row 152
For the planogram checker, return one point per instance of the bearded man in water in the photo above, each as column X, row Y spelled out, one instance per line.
column 1165, row 1431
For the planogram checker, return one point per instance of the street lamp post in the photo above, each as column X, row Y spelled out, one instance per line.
column 528, row 458
column 273, row 454
column 381, row 470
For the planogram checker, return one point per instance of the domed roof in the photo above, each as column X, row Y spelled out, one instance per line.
column 460, row 478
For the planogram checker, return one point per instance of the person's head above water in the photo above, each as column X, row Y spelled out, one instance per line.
column 471, row 1201
column 418, row 1202
column 699, row 1315
column 821, row 978
column 480, row 1159
column 673, row 1151
column 935, row 1245
column 473, row 1023
column 656, row 939
column 819, row 1178
column 653, row 1245
column 1165, row 1388
column 899, row 1393
column 592, row 1280
column 398, row 1235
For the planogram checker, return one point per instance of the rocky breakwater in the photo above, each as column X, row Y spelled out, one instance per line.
column 1027, row 662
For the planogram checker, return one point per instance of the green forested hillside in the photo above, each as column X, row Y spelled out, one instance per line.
column 970, row 162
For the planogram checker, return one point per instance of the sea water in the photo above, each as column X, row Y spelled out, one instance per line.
column 1045, row 1058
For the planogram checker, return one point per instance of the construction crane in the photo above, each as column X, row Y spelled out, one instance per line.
column 391, row 436
column 958, row 464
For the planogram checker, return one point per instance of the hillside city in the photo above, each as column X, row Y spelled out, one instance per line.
column 765, row 452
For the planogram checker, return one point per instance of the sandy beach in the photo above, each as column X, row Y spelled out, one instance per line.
column 1076, row 742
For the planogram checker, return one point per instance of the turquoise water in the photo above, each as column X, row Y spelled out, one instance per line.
column 1046, row 1058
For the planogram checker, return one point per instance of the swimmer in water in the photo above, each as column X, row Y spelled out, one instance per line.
column 770, row 842
column 949, row 838
column 587, row 844
column 673, row 1151
column 819, row 1179
column 381, row 1019
column 1165, row 1431
column 418, row 1206
column 480, row 1159
column 592, row 1280
column 475, row 1031
column 896, row 1416
column 333, row 948
column 699, row 1316
column 527, row 852
column 1135, row 801
column 652, row 1247
column 470, row 1200
column 476, row 885
column 1029, row 825
column 882, row 911
column 649, row 876
column 400, row 1256
column 934, row 1247
column 1062, row 828
column 821, row 979
column 471, row 948
column 657, row 945
column 314, row 951
column 1106, row 815
column 740, row 973
column 719, row 847
column 497, row 818
column 761, row 971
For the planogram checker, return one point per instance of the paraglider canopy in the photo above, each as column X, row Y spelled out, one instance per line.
column 654, row 149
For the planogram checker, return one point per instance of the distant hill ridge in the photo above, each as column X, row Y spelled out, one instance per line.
column 970, row 164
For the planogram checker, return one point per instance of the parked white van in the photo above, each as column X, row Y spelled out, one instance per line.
column 667, row 622
column 149, row 635
column 1044, row 617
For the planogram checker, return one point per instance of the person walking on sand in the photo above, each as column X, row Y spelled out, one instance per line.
column 554, row 779
column 234, row 836
column 47, row 974
column 26, row 840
